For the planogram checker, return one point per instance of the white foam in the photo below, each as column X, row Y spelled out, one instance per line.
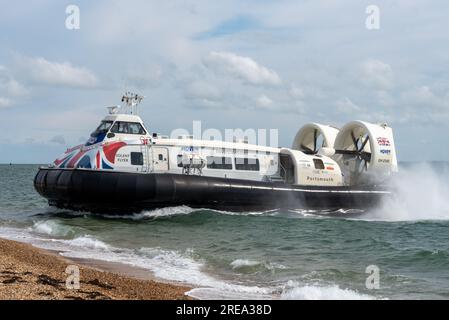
column 87, row 242
column 42, row 227
column 164, row 264
column 180, row 267
column 236, row 264
column 185, row 210
column 52, row 228
column 246, row 263
column 164, row 212
column 313, row 292
column 172, row 266
column 219, row 294
column 247, row 213
column 16, row 234
column 155, row 213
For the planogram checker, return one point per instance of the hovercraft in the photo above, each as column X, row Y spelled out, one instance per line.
column 123, row 168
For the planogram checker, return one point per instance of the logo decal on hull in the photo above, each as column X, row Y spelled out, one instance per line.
column 98, row 159
column 111, row 150
column 384, row 142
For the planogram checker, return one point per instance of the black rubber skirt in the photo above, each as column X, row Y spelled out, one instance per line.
column 123, row 192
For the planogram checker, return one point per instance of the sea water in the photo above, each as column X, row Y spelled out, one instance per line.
column 277, row 254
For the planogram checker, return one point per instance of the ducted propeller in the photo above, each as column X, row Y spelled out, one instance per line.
column 359, row 155
column 316, row 143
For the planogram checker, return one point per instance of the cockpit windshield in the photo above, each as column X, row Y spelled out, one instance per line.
column 128, row 128
column 102, row 129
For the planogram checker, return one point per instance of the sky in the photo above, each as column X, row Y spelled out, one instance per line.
column 263, row 64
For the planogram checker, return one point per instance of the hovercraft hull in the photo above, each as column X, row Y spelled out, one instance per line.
column 109, row 192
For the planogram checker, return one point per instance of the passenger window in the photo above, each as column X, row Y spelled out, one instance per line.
column 318, row 164
column 161, row 157
column 137, row 158
column 247, row 164
column 219, row 163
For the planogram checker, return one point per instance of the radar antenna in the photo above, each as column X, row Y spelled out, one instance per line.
column 113, row 109
column 132, row 100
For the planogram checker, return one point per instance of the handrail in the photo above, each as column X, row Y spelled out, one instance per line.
column 284, row 170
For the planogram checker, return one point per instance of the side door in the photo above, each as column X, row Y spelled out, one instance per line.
column 160, row 159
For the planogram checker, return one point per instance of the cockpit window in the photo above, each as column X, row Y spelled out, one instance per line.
column 127, row 128
column 102, row 129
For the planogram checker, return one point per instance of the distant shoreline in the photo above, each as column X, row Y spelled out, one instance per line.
column 31, row 273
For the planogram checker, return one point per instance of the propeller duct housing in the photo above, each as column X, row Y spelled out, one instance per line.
column 314, row 136
column 365, row 151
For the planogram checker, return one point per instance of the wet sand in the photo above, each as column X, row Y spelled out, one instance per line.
column 28, row 273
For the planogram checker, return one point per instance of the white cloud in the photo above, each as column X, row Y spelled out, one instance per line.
column 4, row 102
column 14, row 88
column 347, row 106
column 43, row 71
column 376, row 74
column 9, row 88
column 264, row 102
column 241, row 67
column 9, row 85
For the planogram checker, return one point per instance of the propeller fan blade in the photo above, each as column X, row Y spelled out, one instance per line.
column 364, row 144
column 347, row 152
column 358, row 157
column 354, row 140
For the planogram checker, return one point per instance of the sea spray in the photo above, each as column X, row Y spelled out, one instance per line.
column 421, row 193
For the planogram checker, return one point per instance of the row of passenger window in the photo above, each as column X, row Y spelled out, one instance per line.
column 225, row 163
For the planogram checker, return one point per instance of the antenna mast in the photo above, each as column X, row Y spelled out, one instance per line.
column 132, row 100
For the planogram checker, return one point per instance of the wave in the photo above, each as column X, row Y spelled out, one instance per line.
column 250, row 266
column 155, row 213
column 181, row 267
column 239, row 263
column 52, row 228
column 164, row 264
column 184, row 210
column 290, row 291
column 314, row 292
column 87, row 242
column 169, row 265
